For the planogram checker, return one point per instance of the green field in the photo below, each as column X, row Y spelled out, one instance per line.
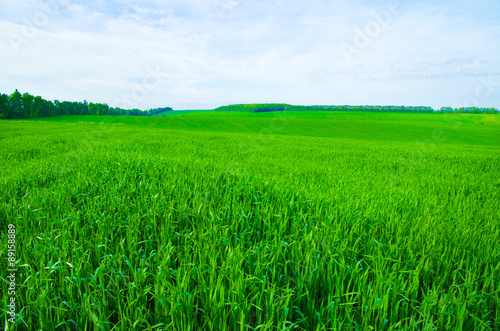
column 245, row 221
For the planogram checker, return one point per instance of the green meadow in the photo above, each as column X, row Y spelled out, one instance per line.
column 253, row 221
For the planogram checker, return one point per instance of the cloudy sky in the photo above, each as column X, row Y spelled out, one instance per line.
column 205, row 53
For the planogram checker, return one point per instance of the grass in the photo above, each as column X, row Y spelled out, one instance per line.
column 390, row 127
column 310, row 221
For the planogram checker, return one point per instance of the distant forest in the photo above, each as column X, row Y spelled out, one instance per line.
column 17, row 105
column 260, row 108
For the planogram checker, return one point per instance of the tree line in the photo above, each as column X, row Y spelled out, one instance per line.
column 257, row 108
column 17, row 105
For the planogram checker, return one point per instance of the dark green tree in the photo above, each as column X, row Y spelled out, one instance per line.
column 59, row 107
column 37, row 106
column 43, row 107
column 27, row 103
column 4, row 106
column 93, row 109
column 16, row 104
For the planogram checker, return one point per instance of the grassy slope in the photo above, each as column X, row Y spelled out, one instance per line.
column 395, row 127
column 200, row 221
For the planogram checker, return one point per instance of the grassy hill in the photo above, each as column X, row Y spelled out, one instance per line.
column 242, row 221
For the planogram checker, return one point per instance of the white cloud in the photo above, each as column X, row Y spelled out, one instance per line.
column 283, row 51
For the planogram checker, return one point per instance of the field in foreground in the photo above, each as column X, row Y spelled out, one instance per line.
column 293, row 221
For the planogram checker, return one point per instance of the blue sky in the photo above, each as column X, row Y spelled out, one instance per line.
column 205, row 53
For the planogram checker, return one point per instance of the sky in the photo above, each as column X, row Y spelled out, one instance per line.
column 202, row 54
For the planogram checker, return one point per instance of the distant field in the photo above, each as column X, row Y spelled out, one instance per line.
column 395, row 127
column 254, row 221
